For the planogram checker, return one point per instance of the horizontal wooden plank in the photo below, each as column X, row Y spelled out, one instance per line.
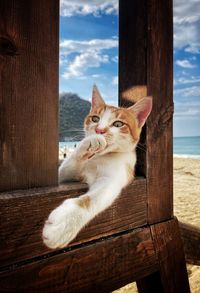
column 191, row 239
column 101, row 266
column 23, row 213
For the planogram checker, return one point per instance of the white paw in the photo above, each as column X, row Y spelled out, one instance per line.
column 91, row 145
column 63, row 224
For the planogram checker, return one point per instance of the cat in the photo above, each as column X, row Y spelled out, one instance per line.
column 104, row 159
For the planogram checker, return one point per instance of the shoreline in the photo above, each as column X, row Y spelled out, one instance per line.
column 186, row 156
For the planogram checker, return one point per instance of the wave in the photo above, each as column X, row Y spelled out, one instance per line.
column 186, row 156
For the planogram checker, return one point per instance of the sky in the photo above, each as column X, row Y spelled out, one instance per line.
column 89, row 54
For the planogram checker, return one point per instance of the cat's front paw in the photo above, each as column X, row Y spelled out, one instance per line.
column 63, row 224
column 91, row 145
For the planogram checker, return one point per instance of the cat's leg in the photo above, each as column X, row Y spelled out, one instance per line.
column 71, row 168
column 65, row 222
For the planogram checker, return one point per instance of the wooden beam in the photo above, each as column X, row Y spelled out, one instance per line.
column 172, row 274
column 101, row 266
column 23, row 214
column 29, row 43
column 159, row 124
column 191, row 241
column 169, row 249
column 132, row 63
column 146, row 59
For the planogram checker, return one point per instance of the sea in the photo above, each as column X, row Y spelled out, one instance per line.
column 185, row 147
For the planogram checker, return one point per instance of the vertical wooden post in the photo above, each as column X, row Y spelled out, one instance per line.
column 148, row 62
column 159, row 125
column 132, row 61
column 146, row 59
column 29, row 43
column 172, row 275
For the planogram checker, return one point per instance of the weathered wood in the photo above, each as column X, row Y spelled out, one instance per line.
column 107, row 254
column 29, row 42
column 145, row 58
column 172, row 274
column 23, row 213
column 132, row 63
column 169, row 249
column 132, row 45
column 159, row 124
column 191, row 240
column 101, row 266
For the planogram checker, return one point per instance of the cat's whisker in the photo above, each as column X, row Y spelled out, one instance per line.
column 141, row 148
column 106, row 173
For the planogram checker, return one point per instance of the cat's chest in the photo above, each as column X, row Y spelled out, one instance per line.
column 93, row 170
column 97, row 168
column 107, row 166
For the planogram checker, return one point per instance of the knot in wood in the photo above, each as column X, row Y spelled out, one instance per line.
column 7, row 47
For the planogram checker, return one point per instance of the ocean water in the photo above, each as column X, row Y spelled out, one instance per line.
column 186, row 146
column 68, row 144
column 182, row 146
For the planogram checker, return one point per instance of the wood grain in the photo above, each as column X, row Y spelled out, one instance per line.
column 29, row 42
column 172, row 274
column 191, row 240
column 108, row 253
column 23, row 213
column 146, row 58
column 132, row 63
column 98, row 267
column 159, row 124
column 132, row 51
column 169, row 249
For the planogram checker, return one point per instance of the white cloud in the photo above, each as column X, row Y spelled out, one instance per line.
column 187, row 110
column 96, row 7
column 184, row 80
column 186, row 18
column 188, row 92
column 84, row 61
column 97, row 75
column 115, row 80
column 73, row 46
column 185, row 63
column 115, row 59
column 88, row 54
column 187, row 25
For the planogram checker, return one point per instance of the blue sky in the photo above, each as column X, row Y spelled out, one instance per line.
column 89, row 54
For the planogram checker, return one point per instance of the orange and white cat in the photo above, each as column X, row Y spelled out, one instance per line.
column 105, row 159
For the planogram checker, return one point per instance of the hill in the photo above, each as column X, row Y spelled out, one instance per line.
column 72, row 111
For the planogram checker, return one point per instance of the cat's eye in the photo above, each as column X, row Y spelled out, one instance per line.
column 95, row 119
column 118, row 123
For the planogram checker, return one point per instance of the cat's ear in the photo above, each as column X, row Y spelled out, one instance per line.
column 141, row 110
column 97, row 100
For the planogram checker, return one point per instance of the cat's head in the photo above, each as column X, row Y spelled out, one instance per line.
column 121, row 127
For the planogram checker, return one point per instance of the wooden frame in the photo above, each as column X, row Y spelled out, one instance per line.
column 110, row 249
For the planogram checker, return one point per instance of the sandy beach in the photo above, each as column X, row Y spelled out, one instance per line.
column 186, row 208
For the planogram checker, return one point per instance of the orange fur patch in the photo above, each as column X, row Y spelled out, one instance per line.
column 130, row 173
column 84, row 202
column 131, row 123
column 123, row 114
column 96, row 111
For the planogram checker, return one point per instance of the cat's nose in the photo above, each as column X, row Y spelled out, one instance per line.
column 100, row 130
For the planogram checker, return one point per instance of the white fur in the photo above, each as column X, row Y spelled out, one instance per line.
column 106, row 175
column 104, row 161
